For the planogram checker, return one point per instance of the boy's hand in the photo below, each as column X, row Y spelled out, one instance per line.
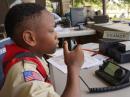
column 75, row 58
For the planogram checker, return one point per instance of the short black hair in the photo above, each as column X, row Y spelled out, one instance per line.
column 18, row 13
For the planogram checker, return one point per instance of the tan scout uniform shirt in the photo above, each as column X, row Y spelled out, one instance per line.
column 16, row 86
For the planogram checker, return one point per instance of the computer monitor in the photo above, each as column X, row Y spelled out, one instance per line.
column 77, row 16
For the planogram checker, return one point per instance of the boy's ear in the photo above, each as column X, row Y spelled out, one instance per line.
column 29, row 38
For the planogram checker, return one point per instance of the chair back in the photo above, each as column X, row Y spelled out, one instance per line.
column 3, row 42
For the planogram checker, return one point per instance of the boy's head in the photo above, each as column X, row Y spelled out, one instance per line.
column 31, row 26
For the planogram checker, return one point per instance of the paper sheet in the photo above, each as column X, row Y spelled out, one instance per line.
column 89, row 61
column 58, row 59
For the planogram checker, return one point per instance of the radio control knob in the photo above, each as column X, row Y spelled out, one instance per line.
column 119, row 73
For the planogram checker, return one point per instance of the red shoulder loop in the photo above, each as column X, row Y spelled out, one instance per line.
column 40, row 67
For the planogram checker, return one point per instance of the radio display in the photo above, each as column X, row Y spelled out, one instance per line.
column 111, row 68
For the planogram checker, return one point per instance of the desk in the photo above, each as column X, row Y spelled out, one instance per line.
column 109, row 26
column 59, row 81
column 115, row 26
column 91, row 80
column 81, row 36
column 70, row 32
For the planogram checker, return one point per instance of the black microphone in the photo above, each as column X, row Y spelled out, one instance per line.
column 105, row 89
column 85, row 83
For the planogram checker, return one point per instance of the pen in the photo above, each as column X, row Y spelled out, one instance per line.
column 90, row 50
column 94, row 52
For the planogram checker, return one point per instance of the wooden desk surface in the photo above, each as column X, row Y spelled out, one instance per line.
column 115, row 26
column 110, row 26
column 100, row 28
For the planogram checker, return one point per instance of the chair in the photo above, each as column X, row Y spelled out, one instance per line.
column 3, row 42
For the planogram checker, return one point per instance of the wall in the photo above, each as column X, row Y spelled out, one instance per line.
column 3, row 10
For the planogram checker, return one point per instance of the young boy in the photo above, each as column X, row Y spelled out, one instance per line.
column 21, row 1
column 31, row 27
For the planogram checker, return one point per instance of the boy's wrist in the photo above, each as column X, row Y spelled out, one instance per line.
column 74, row 69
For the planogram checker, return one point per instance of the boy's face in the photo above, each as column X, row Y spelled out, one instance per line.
column 46, row 37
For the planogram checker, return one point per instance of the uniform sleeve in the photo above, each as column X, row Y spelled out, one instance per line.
column 34, row 89
column 17, row 86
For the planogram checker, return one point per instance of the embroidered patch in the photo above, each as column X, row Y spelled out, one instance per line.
column 31, row 75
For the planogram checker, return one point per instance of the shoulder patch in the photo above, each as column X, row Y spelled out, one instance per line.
column 32, row 75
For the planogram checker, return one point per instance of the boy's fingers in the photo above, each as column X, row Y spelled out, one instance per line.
column 78, row 47
column 65, row 46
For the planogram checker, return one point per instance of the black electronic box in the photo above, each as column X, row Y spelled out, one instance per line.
column 114, row 49
column 113, row 73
